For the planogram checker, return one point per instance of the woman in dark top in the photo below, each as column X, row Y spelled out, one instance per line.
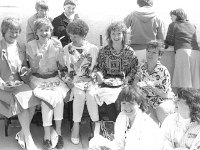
column 182, row 35
column 61, row 22
column 116, row 63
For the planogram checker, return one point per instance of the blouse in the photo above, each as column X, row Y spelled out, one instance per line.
column 161, row 80
column 49, row 54
column 179, row 132
column 80, row 62
column 114, row 65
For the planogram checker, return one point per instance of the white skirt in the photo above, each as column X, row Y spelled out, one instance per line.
column 187, row 69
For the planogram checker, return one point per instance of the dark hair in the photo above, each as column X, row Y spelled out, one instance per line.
column 116, row 26
column 179, row 13
column 78, row 27
column 11, row 23
column 192, row 97
column 155, row 44
column 132, row 94
column 143, row 3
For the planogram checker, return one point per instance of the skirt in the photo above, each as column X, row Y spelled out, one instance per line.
column 50, row 94
column 13, row 103
column 187, row 69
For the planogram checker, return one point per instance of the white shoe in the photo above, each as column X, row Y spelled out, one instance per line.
column 20, row 140
column 75, row 140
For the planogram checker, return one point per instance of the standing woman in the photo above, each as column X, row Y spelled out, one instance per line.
column 182, row 35
column 15, row 100
column 44, row 57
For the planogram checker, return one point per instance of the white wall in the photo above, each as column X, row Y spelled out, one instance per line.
column 99, row 13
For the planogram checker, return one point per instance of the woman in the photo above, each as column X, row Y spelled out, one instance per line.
column 116, row 65
column 44, row 55
column 15, row 100
column 181, row 130
column 80, row 57
column 182, row 35
column 156, row 83
column 133, row 127
column 61, row 22
column 41, row 7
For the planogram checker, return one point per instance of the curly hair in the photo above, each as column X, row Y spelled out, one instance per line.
column 78, row 27
column 192, row 97
column 132, row 94
column 11, row 23
column 179, row 13
column 116, row 26
column 143, row 3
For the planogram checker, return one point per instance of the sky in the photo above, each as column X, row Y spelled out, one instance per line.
column 99, row 13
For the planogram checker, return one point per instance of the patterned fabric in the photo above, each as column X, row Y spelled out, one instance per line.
column 180, row 133
column 161, row 80
column 116, row 65
column 80, row 62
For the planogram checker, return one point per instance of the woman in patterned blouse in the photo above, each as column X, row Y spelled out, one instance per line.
column 115, row 61
column 156, row 83
column 181, row 130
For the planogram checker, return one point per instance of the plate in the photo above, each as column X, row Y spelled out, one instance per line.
column 113, row 82
column 12, row 84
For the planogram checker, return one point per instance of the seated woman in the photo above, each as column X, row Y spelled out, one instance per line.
column 80, row 57
column 15, row 99
column 155, row 81
column 181, row 130
column 133, row 127
column 44, row 58
column 116, row 65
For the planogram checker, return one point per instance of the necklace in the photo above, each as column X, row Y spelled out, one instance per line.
column 115, row 53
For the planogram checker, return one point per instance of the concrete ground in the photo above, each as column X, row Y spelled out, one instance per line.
column 9, row 142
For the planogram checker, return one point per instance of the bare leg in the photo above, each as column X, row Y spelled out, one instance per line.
column 47, row 133
column 24, row 120
column 75, row 130
column 58, row 126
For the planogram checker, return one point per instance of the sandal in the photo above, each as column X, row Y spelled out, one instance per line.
column 20, row 140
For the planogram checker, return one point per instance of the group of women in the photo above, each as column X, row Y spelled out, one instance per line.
column 48, row 70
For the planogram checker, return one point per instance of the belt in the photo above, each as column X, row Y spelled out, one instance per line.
column 45, row 76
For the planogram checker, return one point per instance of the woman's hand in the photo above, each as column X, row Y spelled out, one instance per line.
column 100, row 78
column 25, row 74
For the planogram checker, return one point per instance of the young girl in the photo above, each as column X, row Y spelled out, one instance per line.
column 44, row 56
column 80, row 57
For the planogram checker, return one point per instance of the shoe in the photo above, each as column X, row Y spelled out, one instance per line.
column 75, row 140
column 20, row 139
column 60, row 143
column 47, row 145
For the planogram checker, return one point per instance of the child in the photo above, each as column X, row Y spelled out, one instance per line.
column 80, row 58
